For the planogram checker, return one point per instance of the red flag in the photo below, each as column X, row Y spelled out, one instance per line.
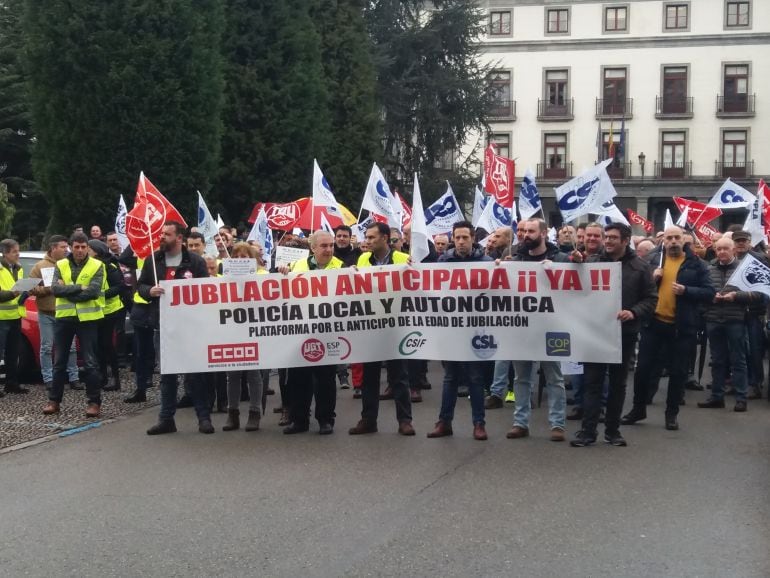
column 498, row 177
column 406, row 211
column 764, row 202
column 698, row 212
column 637, row 219
column 144, row 223
column 704, row 231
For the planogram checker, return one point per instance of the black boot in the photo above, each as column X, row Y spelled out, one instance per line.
column 636, row 414
column 139, row 396
column 113, row 384
column 233, row 420
column 253, row 423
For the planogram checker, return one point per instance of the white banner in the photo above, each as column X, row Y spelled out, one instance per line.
column 463, row 312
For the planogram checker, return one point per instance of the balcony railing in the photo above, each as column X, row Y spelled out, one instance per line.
column 549, row 111
column 502, row 110
column 673, row 107
column 671, row 170
column 741, row 105
column 562, row 172
column 608, row 109
column 621, row 171
column 734, row 169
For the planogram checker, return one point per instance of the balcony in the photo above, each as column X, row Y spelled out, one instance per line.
column 734, row 169
column 546, row 111
column 673, row 107
column 562, row 172
column 736, row 106
column 501, row 110
column 621, row 171
column 607, row 109
column 671, row 170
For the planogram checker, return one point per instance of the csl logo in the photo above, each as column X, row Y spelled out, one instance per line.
column 484, row 346
column 573, row 199
column 313, row 350
column 233, row 352
column 411, row 343
column 558, row 344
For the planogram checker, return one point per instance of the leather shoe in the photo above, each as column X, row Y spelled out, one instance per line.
column 415, row 396
column 405, row 428
column 76, row 386
column 357, row 393
column 517, row 432
column 740, row 406
column 634, row 416
column 205, row 426
column 295, row 428
column 441, row 430
column 557, row 434
column 363, row 427
column 15, row 389
column 284, row 418
column 712, row 402
column 479, row 432
column 576, row 413
column 162, row 427
column 51, row 407
column 93, row 410
column 493, row 402
column 387, row 394
column 325, row 429
column 139, row 396
column 671, row 423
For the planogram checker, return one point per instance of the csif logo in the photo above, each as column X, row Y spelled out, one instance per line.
column 483, row 345
column 233, row 352
column 313, row 350
column 558, row 344
column 411, row 343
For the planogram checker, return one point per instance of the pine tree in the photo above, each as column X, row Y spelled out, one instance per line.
column 121, row 86
column 276, row 113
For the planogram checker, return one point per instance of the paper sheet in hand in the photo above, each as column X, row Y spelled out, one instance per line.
column 288, row 255
column 25, row 284
column 47, row 274
column 234, row 267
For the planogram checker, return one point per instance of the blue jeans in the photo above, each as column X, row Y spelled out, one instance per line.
column 526, row 377
column 168, row 392
column 64, row 334
column 727, row 342
column 453, row 371
column 46, row 323
column 499, row 385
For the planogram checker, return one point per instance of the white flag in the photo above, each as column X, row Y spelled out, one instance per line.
column 668, row 221
column 586, row 193
column 552, row 235
column 731, row 196
column 379, row 200
column 753, row 222
column 418, row 249
column 479, row 202
column 120, row 224
column 682, row 220
column 496, row 216
column 262, row 234
column 220, row 222
column 751, row 275
column 359, row 229
column 325, row 226
column 611, row 214
column 442, row 214
column 529, row 198
column 207, row 226
column 322, row 192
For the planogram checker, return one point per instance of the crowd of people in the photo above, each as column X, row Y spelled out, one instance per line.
column 676, row 303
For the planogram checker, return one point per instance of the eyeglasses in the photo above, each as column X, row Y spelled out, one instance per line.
column 394, row 241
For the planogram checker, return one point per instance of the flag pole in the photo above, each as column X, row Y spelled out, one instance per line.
column 149, row 233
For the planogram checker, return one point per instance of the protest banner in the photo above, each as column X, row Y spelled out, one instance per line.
column 239, row 267
column 469, row 312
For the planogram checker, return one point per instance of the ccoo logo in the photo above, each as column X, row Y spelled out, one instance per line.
column 730, row 196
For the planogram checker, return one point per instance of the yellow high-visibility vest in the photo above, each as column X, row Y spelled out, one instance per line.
column 10, row 310
column 91, row 310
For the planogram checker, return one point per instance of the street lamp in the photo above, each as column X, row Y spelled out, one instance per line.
column 641, row 164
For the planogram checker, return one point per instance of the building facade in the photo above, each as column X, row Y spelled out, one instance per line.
column 672, row 89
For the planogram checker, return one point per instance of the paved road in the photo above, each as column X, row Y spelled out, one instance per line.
column 115, row 502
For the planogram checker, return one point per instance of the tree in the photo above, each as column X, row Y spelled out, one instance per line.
column 120, row 86
column 6, row 212
column 431, row 82
column 276, row 113
column 355, row 136
column 16, row 140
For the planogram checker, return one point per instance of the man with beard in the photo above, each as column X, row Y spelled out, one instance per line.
column 343, row 249
column 638, row 298
column 173, row 261
column 684, row 286
column 499, row 243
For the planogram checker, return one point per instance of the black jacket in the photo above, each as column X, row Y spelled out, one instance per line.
column 756, row 307
column 552, row 253
column 349, row 255
column 726, row 311
column 477, row 254
column 639, row 293
column 192, row 266
column 698, row 292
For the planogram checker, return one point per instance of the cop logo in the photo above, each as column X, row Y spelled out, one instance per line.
column 558, row 344
column 313, row 350
column 484, row 346
column 411, row 343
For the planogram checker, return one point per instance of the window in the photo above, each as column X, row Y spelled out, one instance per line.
column 557, row 20
column 502, row 143
column 736, row 88
column 674, row 90
column 676, row 16
column 555, row 155
column 734, row 153
column 556, row 84
column 616, row 19
column 738, row 14
column 673, row 154
column 500, row 85
column 614, row 91
column 500, row 23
